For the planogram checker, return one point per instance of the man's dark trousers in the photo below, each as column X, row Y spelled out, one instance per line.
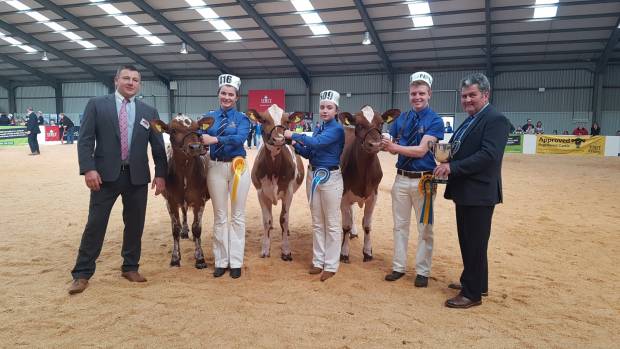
column 134, row 209
column 474, row 228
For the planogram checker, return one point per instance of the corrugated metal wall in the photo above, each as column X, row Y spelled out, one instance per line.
column 76, row 95
column 38, row 97
column 565, row 101
column 195, row 97
column 610, row 121
column 4, row 100
column 373, row 89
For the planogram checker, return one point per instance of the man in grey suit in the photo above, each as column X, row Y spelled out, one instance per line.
column 112, row 154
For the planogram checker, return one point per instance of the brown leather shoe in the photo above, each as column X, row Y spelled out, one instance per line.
column 461, row 302
column 326, row 275
column 315, row 270
column 133, row 276
column 78, row 286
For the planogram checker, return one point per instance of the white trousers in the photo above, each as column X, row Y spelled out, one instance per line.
column 229, row 238
column 326, row 221
column 405, row 194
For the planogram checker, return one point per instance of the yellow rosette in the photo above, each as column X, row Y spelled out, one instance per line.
column 427, row 188
column 238, row 166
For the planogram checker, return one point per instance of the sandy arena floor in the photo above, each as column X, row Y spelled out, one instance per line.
column 553, row 256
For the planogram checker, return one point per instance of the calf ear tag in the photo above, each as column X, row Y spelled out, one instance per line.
column 205, row 126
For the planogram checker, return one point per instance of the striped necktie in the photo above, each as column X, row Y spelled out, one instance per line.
column 123, row 117
column 221, row 129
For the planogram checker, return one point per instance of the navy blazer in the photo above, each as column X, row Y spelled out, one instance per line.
column 99, row 144
column 476, row 168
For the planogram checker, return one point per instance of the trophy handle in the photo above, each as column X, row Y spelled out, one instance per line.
column 431, row 147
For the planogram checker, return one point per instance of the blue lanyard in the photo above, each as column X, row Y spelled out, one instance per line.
column 459, row 134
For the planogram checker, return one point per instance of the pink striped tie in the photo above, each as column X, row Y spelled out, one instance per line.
column 122, row 124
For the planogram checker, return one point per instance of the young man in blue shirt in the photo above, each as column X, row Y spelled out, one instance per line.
column 411, row 132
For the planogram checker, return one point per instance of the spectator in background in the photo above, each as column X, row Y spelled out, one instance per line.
column 618, row 133
column 528, row 128
column 61, row 129
column 580, row 131
column 251, row 134
column 448, row 128
column 539, row 128
column 67, row 125
column 565, row 132
column 12, row 120
column 258, row 134
column 40, row 119
column 4, row 120
column 555, row 132
column 595, row 130
column 32, row 130
column 317, row 125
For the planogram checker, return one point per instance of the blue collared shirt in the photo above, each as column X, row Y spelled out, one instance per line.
column 409, row 128
column 131, row 114
column 230, row 144
column 325, row 146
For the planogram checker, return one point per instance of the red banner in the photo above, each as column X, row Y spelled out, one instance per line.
column 260, row 100
column 52, row 133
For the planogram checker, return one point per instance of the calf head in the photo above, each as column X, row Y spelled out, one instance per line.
column 184, row 136
column 274, row 122
column 368, row 125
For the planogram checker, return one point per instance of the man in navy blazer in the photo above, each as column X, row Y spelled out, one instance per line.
column 112, row 154
column 475, row 184
column 32, row 130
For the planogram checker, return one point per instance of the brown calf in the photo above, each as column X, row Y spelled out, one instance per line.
column 277, row 173
column 186, row 182
column 361, row 171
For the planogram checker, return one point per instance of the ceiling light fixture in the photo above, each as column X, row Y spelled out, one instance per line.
column 183, row 48
column 366, row 40
column 44, row 58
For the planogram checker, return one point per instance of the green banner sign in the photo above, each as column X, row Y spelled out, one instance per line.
column 13, row 135
column 514, row 144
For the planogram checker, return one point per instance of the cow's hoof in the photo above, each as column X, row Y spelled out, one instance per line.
column 352, row 236
column 367, row 257
column 176, row 263
column 286, row 257
column 184, row 236
column 201, row 264
column 344, row 259
column 264, row 255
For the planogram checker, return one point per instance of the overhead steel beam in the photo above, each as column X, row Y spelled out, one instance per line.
column 303, row 71
column 609, row 47
column 98, row 35
column 488, row 48
column 346, row 8
column 48, row 79
column 375, row 37
column 156, row 14
column 50, row 49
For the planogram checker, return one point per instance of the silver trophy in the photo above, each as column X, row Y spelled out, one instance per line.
column 443, row 153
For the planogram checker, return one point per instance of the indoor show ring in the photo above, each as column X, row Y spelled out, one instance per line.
column 554, row 254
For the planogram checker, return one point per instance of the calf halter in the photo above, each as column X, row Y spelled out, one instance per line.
column 182, row 147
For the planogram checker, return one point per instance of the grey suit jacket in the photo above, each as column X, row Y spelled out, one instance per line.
column 99, row 144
